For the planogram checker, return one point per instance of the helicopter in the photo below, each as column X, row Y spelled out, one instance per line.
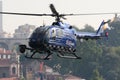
column 59, row 37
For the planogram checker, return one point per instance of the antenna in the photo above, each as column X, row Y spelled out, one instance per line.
column 43, row 23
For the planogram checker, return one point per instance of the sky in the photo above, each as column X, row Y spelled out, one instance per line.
column 11, row 22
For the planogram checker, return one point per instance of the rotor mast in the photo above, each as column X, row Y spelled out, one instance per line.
column 55, row 13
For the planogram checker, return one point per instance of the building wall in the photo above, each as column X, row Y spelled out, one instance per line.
column 9, row 64
column 1, row 30
column 4, row 72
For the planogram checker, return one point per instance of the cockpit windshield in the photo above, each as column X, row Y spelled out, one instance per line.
column 57, row 32
column 38, row 32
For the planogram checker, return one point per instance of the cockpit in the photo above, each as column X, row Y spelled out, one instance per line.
column 59, row 33
column 39, row 32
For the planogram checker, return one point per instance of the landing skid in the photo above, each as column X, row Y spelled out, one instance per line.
column 23, row 49
column 69, row 57
column 47, row 53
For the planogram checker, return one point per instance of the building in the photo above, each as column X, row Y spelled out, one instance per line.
column 13, row 78
column 1, row 30
column 9, row 64
column 2, row 33
column 24, row 31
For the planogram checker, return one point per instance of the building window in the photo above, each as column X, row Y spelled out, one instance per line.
column 3, row 75
column 13, row 70
column 4, row 56
column 9, row 56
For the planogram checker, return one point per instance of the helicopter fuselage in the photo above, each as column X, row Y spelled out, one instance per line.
column 54, row 38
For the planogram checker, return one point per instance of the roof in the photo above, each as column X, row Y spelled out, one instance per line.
column 71, row 77
column 4, row 51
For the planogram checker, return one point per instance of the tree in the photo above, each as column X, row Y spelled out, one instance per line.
column 96, row 75
column 110, row 63
column 88, row 28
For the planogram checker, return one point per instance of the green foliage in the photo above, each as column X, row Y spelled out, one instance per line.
column 110, row 63
column 22, row 78
column 96, row 75
column 88, row 28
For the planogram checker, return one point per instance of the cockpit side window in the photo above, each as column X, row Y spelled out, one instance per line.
column 59, row 32
column 56, row 33
column 53, row 33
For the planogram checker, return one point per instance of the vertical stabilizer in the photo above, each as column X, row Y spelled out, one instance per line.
column 102, row 27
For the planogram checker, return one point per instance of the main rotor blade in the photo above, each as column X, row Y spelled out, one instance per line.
column 56, row 13
column 88, row 14
column 27, row 14
column 53, row 9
